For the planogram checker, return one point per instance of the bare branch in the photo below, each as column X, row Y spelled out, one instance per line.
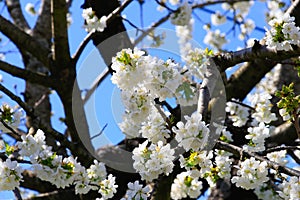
column 16, row 14
column 81, row 47
column 25, row 42
column 258, row 51
column 60, row 34
column 96, row 84
column 27, row 75
column 43, row 24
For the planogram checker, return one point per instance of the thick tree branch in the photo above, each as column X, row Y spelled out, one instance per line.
column 110, row 18
column 258, row 51
column 15, row 11
column 25, row 42
column 43, row 24
column 237, row 151
column 34, row 183
column 27, row 75
column 60, row 34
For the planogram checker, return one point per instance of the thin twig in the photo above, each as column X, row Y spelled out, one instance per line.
column 100, row 133
column 238, row 151
column 81, row 47
column 96, row 83
column 281, row 148
column 17, row 193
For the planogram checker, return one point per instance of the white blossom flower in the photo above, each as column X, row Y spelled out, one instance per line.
column 136, row 191
column 217, row 18
column 186, row 184
column 192, row 134
column 251, row 174
column 10, row 174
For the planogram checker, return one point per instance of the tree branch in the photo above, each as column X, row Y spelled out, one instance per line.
column 27, row 75
column 258, row 51
column 43, row 23
column 109, row 19
column 96, row 84
column 60, row 34
column 81, row 47
column 25, row 42
column 16, row 14
column 237, row 151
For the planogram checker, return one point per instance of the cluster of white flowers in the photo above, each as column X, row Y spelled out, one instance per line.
column 265, row 192
column 182, row 16
column 186, row 184
column 211, row 171
column 262, row 104
column 197, row 159
column 138, row 106
column 184, row 34
column 93, row 23
column 10, row 174
column 193, row 134
column 154, row 160
column 154, row 129
column 133, row 69
column 251, row 174
column 223, row 165
column 64, row 172
column 278, row 157
column 257, row 136
column 195, row 61
column 238, row 113
column 11, row 116
column 136, row 191
column 290, row 189
column 142, row 79
column 275, row 9
column 215, row 39
column 283, row 33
